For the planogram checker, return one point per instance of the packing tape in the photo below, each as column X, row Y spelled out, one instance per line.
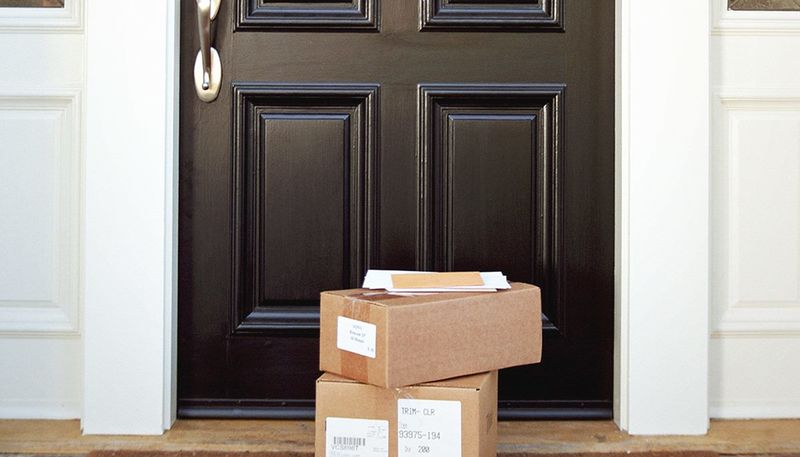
column 354, row 365
column 358, row 306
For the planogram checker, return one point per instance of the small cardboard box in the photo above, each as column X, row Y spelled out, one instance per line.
column 452, row 418
column 394, row 341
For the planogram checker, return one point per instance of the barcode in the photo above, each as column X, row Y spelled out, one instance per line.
column 349, row 441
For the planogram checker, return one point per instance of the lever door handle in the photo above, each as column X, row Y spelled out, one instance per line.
column 207, row 65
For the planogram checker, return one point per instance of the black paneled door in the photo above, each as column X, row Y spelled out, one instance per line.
column 398, row 134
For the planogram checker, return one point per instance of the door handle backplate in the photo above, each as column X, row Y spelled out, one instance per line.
column 207, row 64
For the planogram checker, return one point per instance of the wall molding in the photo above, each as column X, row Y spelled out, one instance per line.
column 39, row 409
column 733, row 317
column 738, row 22
column 59, row 316
column 759, row 320
column 754, row 409
column 68, row 19
column 757, row 97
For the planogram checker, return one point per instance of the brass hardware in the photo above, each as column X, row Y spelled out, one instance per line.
column 207, row 65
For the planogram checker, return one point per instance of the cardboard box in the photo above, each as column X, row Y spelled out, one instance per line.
column 394, row 341
column 452, row 418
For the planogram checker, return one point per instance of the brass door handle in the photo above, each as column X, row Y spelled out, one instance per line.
column 207, row 66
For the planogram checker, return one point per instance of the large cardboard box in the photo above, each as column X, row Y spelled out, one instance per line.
column 452, row 418
column 394, row 341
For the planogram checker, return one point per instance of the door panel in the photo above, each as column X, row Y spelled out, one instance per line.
column 354, row 15
column 304, row 193
column 503, row 15
column 452, row 135
column 489, row 181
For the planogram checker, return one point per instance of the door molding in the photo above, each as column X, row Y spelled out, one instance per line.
column 662, row 183
column 662, row 219
column 357, row 104
column 130, row 218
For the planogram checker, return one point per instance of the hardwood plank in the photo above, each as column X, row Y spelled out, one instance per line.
column 726, row 437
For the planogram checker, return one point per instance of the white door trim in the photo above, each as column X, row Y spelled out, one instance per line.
column 661, row 361
column 662, row 214
column 130, row 217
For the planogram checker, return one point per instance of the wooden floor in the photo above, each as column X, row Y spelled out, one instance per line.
column 725, row 437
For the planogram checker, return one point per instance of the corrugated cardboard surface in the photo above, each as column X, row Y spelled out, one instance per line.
column 431, row 337
column 341, row 397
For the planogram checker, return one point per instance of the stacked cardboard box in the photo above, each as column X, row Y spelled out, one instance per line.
column 416, row 376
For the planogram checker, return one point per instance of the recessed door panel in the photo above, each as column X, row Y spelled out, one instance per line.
column 489, row 171
column 497, row 15
column 355, row 15
column 303, row 192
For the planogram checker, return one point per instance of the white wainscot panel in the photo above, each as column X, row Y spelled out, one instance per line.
column 754, row 378
column 40, row 166
column 44, row 380
column 756, row 216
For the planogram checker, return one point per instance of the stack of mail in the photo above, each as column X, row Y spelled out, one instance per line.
column 400, row 281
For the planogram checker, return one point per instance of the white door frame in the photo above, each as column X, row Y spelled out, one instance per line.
column 662, row 182
column 662, row 214
column 130, row 252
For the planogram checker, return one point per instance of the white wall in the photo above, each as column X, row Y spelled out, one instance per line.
column 41, row 87
column 755, row 226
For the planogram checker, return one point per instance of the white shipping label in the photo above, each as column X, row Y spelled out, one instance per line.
column 427, row 428
column 355, row 336
column 356, row 437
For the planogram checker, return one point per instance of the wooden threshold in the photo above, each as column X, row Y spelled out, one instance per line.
column 726, row 437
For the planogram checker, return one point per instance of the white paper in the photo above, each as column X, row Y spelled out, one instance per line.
column 382, row 279
column 428, row 428
column 356, row 336
column 428, row 290
column 345, row 437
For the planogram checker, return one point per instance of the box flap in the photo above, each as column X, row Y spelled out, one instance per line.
column 383, row 298
column 475, row 381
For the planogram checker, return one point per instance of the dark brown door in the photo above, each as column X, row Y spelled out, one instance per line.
column 402, row 134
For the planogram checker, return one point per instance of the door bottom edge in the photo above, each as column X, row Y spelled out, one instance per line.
column 306, row 412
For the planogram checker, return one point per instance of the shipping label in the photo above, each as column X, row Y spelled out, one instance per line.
column 355, row 336
column 345, row 437
column 427, row 428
